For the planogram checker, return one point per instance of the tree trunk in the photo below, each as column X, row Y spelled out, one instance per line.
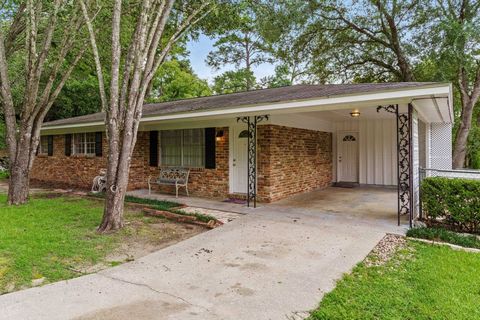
column 117, row 180
column 21, row 163
column 461, row 139
column 112, row 214
column 404, row 65
column 18, row 185
column 460, row 147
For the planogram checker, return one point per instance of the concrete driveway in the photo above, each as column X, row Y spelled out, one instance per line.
column 274, row 263
column 375, row 204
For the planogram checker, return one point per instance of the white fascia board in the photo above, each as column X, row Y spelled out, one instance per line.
column 325, row 103
column 74, row 128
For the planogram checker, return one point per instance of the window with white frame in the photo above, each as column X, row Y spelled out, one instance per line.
column 183, row 148
column 43, row 145
column 84, row 143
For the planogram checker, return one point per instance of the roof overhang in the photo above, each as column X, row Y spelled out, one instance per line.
column 433, row 102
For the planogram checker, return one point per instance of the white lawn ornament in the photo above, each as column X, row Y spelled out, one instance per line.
column 100, row 182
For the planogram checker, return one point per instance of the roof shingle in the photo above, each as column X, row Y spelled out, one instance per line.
column 240, row 99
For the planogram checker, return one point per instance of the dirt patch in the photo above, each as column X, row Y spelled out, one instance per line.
column 141, row 236
column 147, row 235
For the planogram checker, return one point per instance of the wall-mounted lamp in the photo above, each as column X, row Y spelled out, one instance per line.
column 219, row 135
column 355, row 113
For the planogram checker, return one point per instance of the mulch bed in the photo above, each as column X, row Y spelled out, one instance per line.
column 182, row 218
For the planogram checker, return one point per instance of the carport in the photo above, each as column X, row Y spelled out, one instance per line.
column 379, row 143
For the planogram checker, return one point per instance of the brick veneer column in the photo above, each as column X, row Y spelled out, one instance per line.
column 292, row 160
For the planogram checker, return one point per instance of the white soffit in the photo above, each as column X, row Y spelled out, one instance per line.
column 434, row 109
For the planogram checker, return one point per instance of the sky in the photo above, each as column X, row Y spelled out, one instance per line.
column 198, row 54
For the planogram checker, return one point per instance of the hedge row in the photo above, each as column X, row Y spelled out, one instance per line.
column 453, row 202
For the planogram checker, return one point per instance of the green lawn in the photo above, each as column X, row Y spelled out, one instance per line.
column 54, row 238
column 47, row 237
column 421, row 282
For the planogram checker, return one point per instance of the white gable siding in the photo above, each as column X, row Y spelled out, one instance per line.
column 377, row 149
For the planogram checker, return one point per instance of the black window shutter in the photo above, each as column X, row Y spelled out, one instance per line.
column 98, row 144
column 210, row 148
column 50, row 145
column 153, row 148
column 68, row 144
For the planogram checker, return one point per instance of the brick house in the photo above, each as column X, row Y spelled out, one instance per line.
column 270, row 143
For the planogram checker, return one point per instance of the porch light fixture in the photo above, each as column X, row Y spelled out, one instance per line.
column 219, row 135
column 355, row 113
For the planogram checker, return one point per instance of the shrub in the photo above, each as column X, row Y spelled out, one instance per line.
column 454, row 202
column 156, row 204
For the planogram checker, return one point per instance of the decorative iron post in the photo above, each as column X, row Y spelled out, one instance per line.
column 252, row 156
column 404, row 160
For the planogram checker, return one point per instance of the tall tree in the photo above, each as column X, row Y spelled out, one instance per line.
column 362, row 40
column 32, row 75
column 281, row 25
column 78, row 97
column 158, row 25
column 459, row 39
column 175, row 80
column 240, row 44
column 234, row 81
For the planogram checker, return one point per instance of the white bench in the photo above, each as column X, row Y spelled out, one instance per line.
column 177, row 177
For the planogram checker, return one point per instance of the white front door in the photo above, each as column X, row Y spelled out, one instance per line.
column 347, row 157
column 239, row 159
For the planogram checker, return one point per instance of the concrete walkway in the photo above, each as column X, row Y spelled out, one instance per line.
column 275, row 263
column 214, row 204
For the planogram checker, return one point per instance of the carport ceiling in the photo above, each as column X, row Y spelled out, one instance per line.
column 342, row 115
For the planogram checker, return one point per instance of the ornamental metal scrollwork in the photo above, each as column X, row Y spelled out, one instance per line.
column 404, row 149
column 390, row 108
column 252, row 156
column 404, row 160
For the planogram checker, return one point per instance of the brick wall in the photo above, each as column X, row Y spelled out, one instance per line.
column 60, row 170
column 78, row 171
column 292, row 160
